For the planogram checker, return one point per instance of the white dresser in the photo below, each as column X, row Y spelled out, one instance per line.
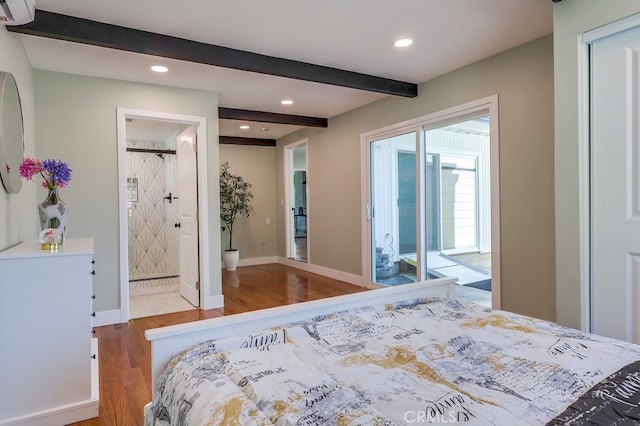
column 48, row 356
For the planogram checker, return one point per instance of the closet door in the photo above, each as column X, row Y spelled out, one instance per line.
column 615, row 191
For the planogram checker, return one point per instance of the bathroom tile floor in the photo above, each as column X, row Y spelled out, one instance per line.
column 157, row 304
column 156, row 298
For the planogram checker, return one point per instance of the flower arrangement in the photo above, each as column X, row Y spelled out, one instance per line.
column 55, row 173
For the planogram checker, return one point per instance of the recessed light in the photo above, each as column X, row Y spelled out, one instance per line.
column 244, row 127
column 404, row 42
column 159, row 68
column 286, row 102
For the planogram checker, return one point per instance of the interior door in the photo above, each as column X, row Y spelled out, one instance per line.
column 188, row 213
column 615, row 191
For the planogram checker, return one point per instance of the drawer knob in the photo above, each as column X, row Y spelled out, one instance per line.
column 93, row 272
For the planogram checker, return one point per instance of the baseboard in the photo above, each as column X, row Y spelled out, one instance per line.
column 113, row 317
column 258, row 261
column 316, row 269
column 213, row 302
column 322, row 270
column 62, row 415
column 107, row 318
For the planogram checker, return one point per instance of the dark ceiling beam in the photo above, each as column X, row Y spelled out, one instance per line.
column 236, row 140
column 270, row 117
column 79, row 30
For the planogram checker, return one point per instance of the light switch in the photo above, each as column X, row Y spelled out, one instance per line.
column 268, row 221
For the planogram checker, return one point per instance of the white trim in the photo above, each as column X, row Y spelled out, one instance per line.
column 213, row 302
column 494, row 161
column 584, row 185
column 203, row 204
column 365, row 209
column 419, row 124
column 258, row 261
column 121, row 125
column 304, row 266
column 308, row 267
column 288, row 213
column 324, row 271
column 61, row 415
column 434, row 119
column 584, row 158
column 421, row 206
column 623, row 24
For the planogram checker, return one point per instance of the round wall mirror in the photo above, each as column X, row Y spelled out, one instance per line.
column 11, row 133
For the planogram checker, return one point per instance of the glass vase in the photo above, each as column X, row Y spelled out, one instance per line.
column 53, row 212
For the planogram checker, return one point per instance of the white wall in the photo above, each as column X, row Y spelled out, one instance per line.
column 571, row 18
column 18, row 221
column 76, row 122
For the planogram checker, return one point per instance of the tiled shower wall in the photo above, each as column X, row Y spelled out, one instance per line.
column 153, row 239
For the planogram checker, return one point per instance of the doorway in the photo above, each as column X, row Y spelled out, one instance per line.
column 296, row 201
column 160, row 255
column 431, row 202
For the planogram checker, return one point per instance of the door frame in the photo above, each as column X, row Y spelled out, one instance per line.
column 203, row 212
column 419, row 125
column 289, row 195
column 585, row 142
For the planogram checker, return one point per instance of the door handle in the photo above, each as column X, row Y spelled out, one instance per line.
column 170, row 198
column 176, row 225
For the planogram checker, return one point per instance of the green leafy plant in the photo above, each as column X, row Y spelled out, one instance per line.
column 235, row 199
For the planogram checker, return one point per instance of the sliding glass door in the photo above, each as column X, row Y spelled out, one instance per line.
column 429, row 203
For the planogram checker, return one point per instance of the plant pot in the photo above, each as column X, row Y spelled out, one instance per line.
column 231, row 258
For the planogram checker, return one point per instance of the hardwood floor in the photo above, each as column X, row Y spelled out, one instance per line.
column 125, row 375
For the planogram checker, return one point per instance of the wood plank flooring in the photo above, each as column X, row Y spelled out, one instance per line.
column 125, row 375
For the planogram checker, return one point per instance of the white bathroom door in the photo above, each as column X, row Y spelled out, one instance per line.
column 188, row 213
column 615, row 187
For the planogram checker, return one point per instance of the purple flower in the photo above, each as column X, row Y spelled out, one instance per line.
column 55, row 173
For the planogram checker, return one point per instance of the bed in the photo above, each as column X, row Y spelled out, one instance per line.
column 400, row 355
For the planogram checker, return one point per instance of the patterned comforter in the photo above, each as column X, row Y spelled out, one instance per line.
column 416, row 362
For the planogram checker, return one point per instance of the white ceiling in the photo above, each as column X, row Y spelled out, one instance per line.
column 354, row 35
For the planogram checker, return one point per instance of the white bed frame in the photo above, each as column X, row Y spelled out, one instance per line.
column 166, row 342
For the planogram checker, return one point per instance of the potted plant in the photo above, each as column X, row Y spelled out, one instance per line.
column 235, row 199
